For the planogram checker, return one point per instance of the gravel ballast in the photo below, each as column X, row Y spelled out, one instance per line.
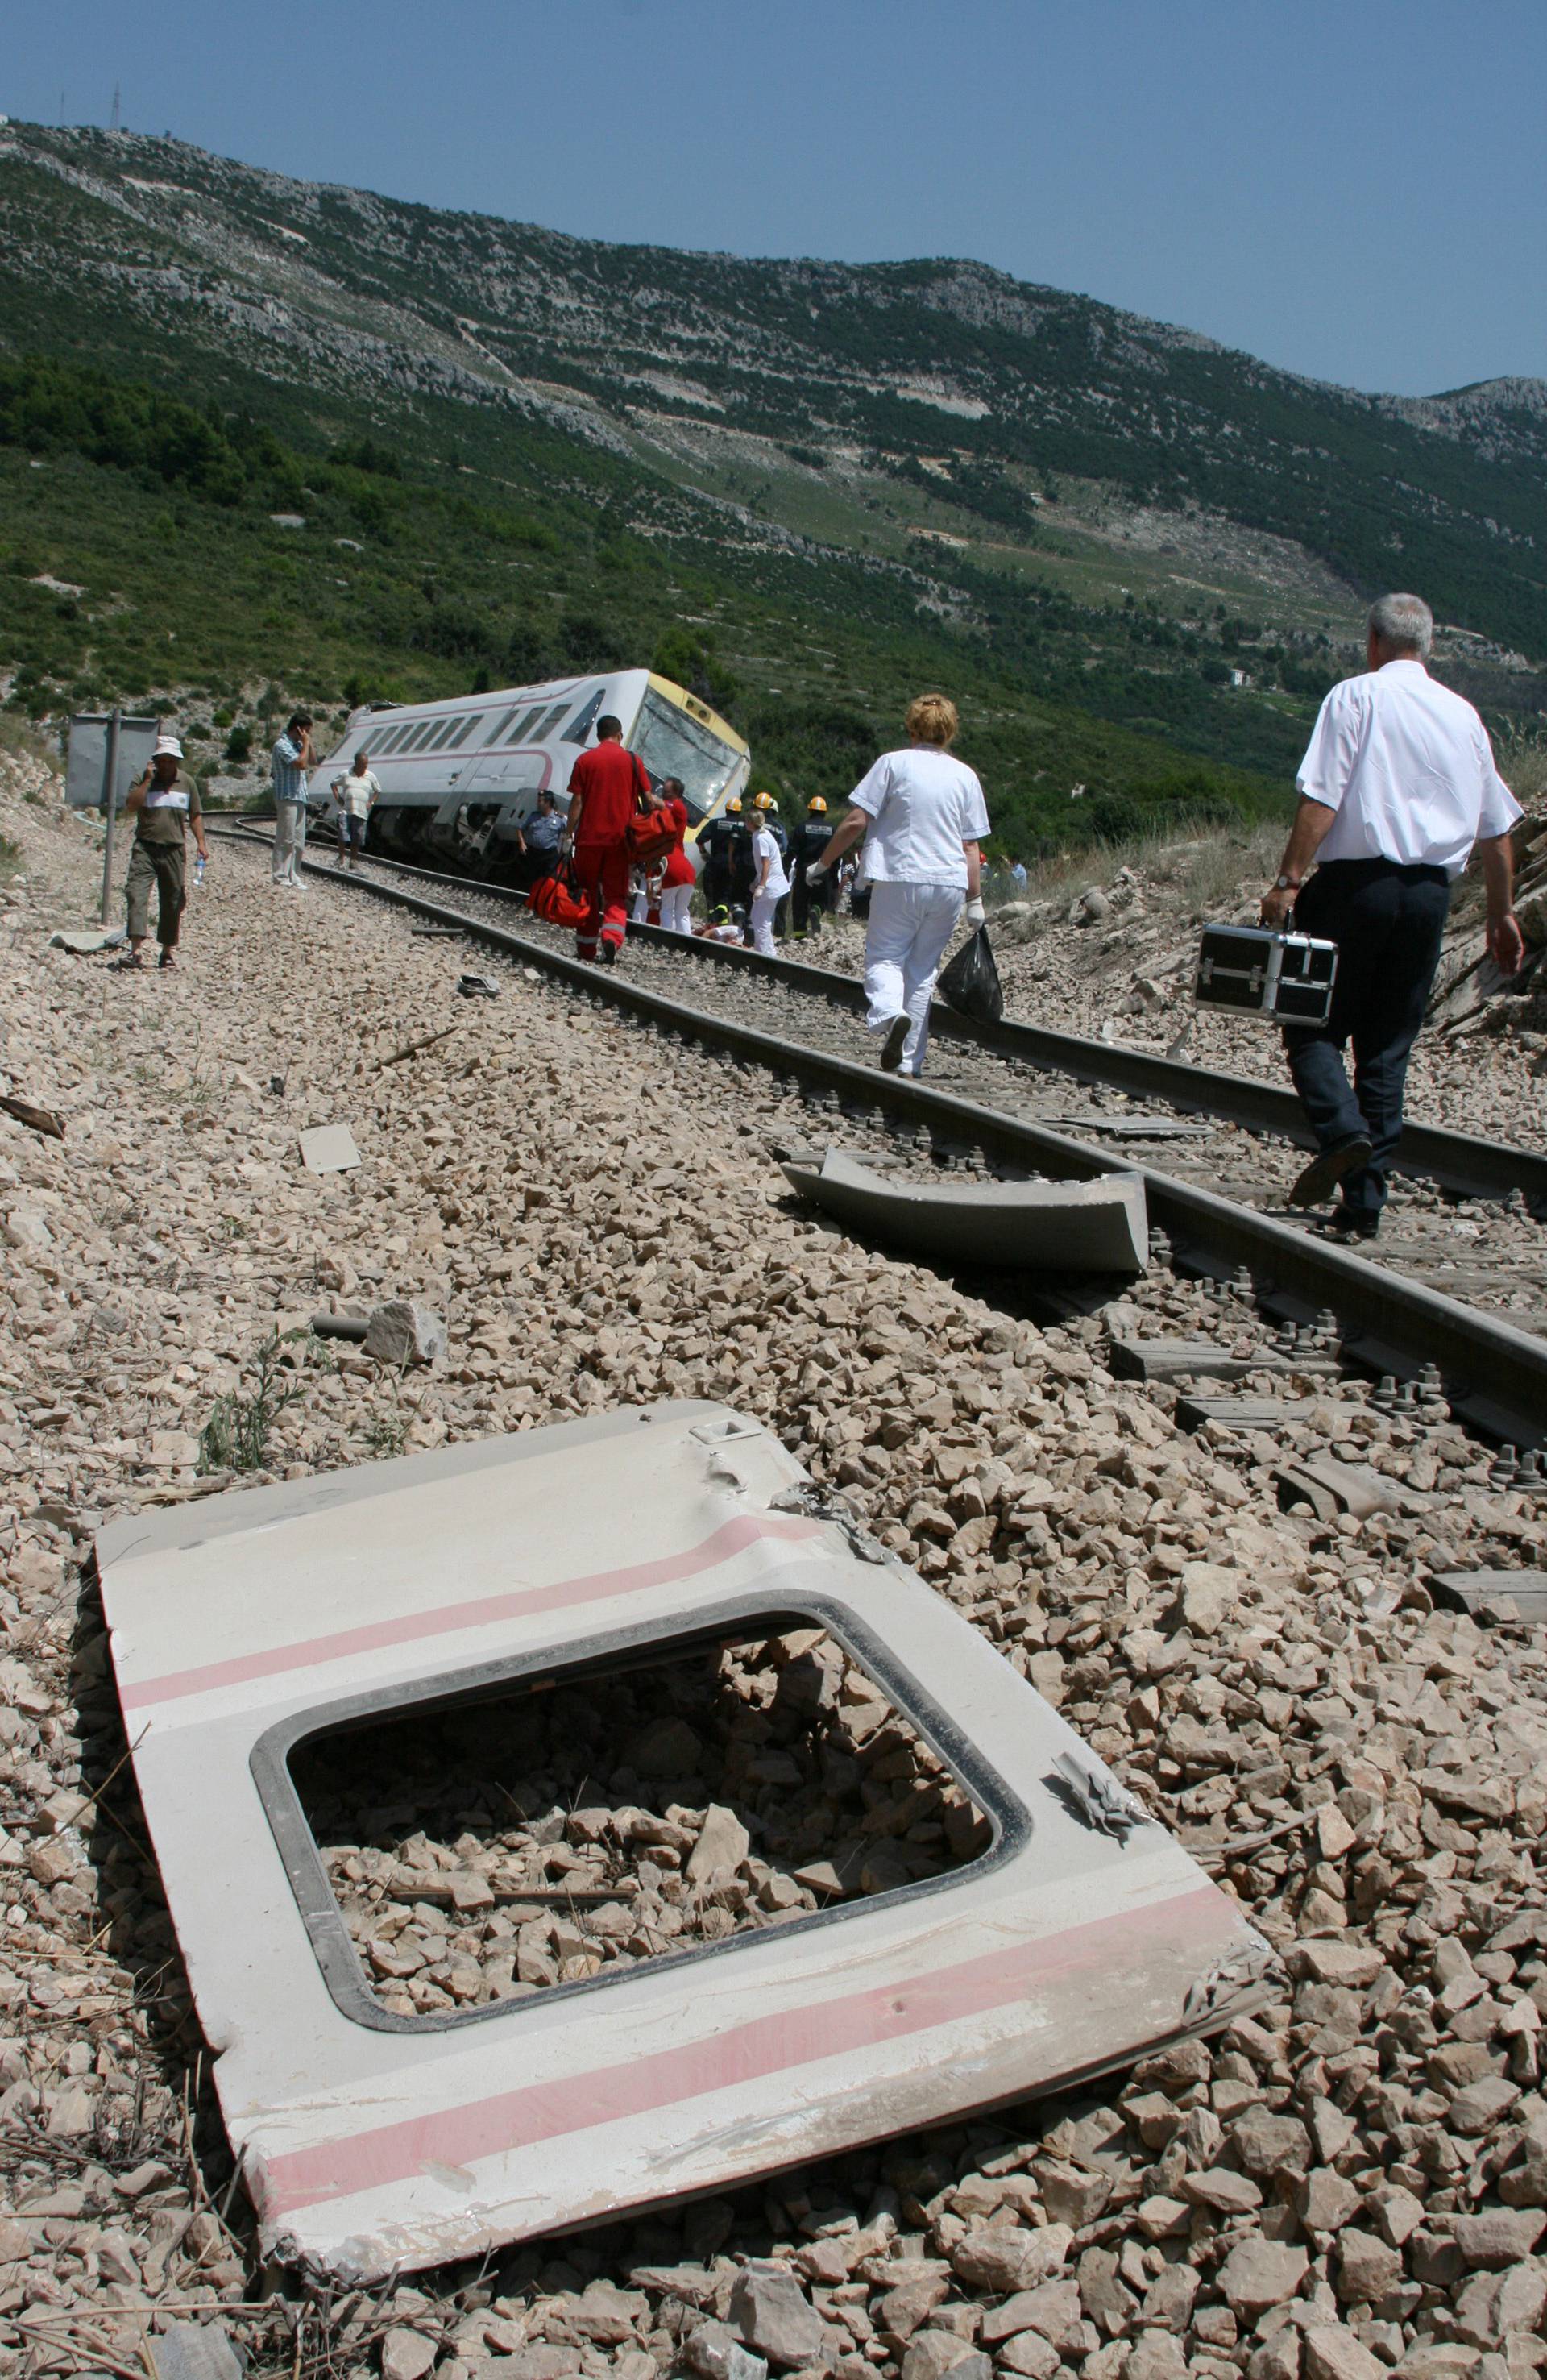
column 1353, row 2181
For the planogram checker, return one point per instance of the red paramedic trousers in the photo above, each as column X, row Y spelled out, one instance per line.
column 601, row 879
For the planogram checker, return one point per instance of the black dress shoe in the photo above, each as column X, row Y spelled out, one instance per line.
column 1324, row 1173
column 1352, row 1224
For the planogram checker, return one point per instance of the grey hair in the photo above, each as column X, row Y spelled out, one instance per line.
column 1404, row 622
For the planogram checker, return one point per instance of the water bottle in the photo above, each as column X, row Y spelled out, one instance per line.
column 199, row 869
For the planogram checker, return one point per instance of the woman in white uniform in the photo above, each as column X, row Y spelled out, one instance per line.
column 769, row 884
column 923, row 815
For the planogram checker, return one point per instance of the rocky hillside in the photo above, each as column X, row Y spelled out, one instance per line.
column 397, row 453
column 988, row 391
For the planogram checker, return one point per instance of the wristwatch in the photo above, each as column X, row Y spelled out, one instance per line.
column 1287, row 884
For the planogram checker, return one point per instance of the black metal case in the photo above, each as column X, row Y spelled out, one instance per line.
column 1284, row 978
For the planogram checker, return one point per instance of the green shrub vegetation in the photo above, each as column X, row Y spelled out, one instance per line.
column 405, row 582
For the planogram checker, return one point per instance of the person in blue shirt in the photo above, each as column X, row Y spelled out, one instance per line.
column 538, row 838
column 293, row 754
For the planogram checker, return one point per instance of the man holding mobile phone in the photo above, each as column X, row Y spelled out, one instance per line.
column 294, row 754
column 163, row 803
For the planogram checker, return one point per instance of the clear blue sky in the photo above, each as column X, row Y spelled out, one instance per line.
column 1347, row 188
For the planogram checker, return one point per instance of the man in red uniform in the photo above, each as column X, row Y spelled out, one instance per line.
column 604, row 786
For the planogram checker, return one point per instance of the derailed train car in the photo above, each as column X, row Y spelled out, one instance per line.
column 458, row 777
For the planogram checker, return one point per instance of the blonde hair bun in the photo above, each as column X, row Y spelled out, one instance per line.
column 931, row 719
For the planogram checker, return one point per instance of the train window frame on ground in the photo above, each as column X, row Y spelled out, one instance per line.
column 343, row 1971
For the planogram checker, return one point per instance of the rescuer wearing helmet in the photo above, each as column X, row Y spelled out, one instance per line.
column 717, row 841
column 766, row 814
column 811, row 838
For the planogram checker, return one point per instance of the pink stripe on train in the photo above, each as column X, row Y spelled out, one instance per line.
column 733, row 1537
column 771, row 2045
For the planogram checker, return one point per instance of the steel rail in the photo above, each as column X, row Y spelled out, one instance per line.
column 1460, row 1162
column 1496, row 1377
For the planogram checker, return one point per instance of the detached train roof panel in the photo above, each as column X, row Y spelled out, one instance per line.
column 245, row 1624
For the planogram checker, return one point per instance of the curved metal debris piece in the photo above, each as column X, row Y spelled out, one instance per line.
column 1060, row 1227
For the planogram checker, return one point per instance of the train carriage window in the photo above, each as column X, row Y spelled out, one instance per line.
column 524, row 731
column 542, row 733
column 672, row 744
column 414, row 743
column 579, row 729
column 436, row 741
column 461, row 736
column 391, row 740
column 496, row 734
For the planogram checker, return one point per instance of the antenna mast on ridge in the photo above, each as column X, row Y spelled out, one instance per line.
column 118, row 110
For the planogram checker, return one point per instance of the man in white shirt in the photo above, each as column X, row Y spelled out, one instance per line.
column 1397, row 788
column 356, row 795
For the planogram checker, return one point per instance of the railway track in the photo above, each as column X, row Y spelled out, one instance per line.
column 1213, row 1204
column 1461, row 1163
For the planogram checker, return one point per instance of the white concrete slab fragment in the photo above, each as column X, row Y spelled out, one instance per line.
column 246, row 1623
column 1054, row 1226
column 1520, row 1592
column 329, row 1148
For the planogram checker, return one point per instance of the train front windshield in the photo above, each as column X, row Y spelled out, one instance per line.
column 672, row 744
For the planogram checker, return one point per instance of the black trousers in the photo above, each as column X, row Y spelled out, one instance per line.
column 807, row 903
column 1388, row 923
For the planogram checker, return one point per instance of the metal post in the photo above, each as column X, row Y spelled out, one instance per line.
column 110, row 788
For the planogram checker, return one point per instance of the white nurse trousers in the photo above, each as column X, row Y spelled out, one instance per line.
column 905, row 941
column 676, row 908
column 762, row 921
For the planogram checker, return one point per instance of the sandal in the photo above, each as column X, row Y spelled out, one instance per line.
column 132, row 964
column 167, row 960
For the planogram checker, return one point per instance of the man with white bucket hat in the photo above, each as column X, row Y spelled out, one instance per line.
column 163, row 805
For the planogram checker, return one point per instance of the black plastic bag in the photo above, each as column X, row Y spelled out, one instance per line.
column 971, row 983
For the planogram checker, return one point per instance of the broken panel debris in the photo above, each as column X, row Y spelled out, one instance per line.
column 1059, row 1227
column 1030, row 1929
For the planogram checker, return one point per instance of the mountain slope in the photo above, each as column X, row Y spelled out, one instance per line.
column 304, row 281
column 1027, row 489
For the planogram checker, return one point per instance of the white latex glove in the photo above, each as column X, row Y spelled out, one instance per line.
column 973, row 913
column 817, row 873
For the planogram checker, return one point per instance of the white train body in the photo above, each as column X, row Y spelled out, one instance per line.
column 458, row 777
